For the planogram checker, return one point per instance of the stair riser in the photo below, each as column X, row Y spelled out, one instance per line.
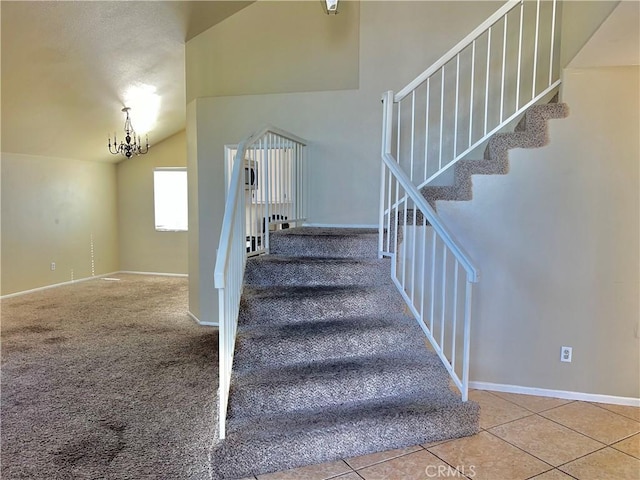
column 298, row 309
column 325, row 246
column 351, row 388
column 265, row 273
column 380, row 433
column 273, row 352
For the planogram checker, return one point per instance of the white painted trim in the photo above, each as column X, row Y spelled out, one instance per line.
column 159, row 274
column 564, row 394
column 204, row 324
column 55, row 285
column 340, row 225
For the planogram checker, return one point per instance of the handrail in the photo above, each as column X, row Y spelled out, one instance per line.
column 486, row 81
column 450, row 55
column 276, row 183
column 418, row 198
column 434, row 220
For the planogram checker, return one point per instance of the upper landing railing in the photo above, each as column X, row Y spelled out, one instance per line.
column 481, row 85
column 486, row 81
column 265, row 189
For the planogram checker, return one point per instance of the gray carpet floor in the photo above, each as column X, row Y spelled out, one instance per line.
column 107, row 380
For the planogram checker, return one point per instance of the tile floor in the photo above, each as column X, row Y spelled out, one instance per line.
column 522, row 437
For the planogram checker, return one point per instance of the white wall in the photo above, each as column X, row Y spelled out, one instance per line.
column 557, row 244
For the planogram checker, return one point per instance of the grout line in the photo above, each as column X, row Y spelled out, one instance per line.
column 344, row 473
column 455, row 467
column 582, row 456
column 567, row 401
column 522, row 450
column 576, row 431
column 595, row 404
column 528, row 409
column 584, row 434
column 538, row 474
column 386, row 460
column 509, row 421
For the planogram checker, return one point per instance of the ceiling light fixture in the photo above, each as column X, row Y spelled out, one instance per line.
column 132, row 145
column 330, row 7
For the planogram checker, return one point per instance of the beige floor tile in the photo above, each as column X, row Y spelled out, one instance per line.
column 532, row 402
column 603, row 465
column 348, row 476
column 321, row 471
column 626, row 410
column 595, row 422
column 546, row 440
column 367, row 460
column 495, row 410
column 486, row 457
column 553, row 475
column 629, row 445
column 414, row 466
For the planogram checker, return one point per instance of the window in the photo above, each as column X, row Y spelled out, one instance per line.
column 170, row 199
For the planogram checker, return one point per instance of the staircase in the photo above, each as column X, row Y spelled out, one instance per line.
column 530, row 132
column 327, row 363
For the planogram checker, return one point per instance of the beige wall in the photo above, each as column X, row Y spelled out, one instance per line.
column 272, row 47
column 142, row 248
column 397, row 41
column 52, row 208
column 580, row 19
column 537, row 233
column 557, row 244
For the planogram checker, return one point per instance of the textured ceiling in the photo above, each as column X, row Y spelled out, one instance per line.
column 67, row 68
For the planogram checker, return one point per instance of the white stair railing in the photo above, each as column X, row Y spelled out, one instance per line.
column 432, row 271
column 486, row 81
column 266, row 190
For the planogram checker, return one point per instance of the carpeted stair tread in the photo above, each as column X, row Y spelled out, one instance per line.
column 341, row 432
column 269, row 270
column 296, row 344
column 281, row 305
column 270, row 426
column 327, row 384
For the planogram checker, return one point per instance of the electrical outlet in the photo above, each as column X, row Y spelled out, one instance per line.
column 565, row 354
column 53, row 266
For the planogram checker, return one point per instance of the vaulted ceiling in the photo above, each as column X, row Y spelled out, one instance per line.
column 69, row 67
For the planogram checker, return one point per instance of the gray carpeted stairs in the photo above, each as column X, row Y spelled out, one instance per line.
column 327, row 364
column 530, row 132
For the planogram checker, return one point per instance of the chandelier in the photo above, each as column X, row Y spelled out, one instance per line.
column 131, row 145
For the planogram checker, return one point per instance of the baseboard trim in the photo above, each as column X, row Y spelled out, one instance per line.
column 204, row 324
column 159, row 274
column 564, row 394
column 55, row 285
column 339, row 225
